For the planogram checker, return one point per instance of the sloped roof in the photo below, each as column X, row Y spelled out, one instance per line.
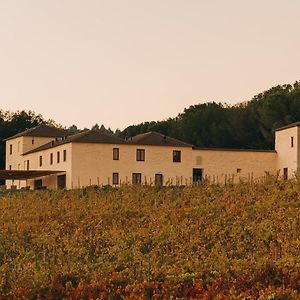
column 22, row 175
column 90, row 136
column 233, row 149
column 157, row 139
column 41, row 130
column 288, row 126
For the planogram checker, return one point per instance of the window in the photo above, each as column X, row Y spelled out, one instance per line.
column 176, row 156
column 58, row 157
column 116, row 154
column 51, row 158
column 27, row 164
column 292, row 141
column 9, row 167
column 41, row 160
column 136, row 178
column 10, row 149
column 285, row 173
column 140, row 154
column 32, row 141
column 65, row 155
column 115, row 179
column 238, row 170
column 19, row 146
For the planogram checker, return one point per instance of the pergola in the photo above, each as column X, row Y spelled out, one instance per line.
column 27, row 174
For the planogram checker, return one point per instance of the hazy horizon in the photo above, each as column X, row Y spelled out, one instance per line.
column 119, row 64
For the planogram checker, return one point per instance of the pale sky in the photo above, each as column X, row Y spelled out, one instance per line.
column 122, row 62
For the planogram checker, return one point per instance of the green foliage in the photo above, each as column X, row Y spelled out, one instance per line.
column 205, row 242
column 245, row 125
column 13, row 123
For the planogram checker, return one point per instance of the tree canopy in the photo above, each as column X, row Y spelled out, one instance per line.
column 248, row 125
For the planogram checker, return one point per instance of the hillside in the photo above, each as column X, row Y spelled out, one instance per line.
column 234, row 242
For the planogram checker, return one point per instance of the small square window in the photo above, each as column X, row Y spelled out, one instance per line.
column 140, row 154
column 115, row 178
column 176, row 156
column 116, row 154
column 238, row 170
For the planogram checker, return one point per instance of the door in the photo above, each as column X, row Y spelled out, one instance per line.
column 197, row 175
column 61, row 182
column 38, row 183
column 159, row 179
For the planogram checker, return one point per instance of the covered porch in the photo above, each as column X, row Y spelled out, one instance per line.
column 33, row 179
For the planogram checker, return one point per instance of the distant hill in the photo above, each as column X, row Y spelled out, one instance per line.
column 245, row 125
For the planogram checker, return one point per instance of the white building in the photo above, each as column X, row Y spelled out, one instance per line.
column 45, row 156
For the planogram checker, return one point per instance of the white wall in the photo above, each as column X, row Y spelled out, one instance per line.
column 287, row 155
column 219, row 165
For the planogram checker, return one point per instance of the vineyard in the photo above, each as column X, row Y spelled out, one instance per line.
column 137, row 242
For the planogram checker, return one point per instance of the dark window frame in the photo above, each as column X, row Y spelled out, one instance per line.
column 136, row 178
column 115, row 178
column 177, row 156
column 65, row 155
column 116, row 153
column 140, row 155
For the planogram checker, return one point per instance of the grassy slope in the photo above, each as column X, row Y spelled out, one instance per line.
column 193, row 242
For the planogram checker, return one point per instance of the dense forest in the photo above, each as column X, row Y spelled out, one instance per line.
column 245, row 125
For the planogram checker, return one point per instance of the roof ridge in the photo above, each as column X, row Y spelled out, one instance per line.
column 43, row 130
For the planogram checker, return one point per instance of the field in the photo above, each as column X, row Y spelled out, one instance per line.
column 206, row 242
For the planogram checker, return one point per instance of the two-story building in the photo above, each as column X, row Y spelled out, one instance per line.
column 45, row 156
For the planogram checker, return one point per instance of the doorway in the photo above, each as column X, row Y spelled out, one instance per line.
column 38, row 183
column 159, row 179
column 197, row 175
column 61, row 182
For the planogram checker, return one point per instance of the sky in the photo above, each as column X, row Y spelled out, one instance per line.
column 118, row 63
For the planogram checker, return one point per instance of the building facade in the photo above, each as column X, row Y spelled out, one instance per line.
column 93, row 158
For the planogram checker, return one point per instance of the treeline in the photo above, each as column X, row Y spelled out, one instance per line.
column 246, row 125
